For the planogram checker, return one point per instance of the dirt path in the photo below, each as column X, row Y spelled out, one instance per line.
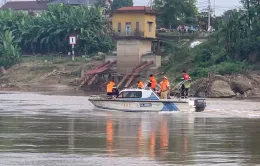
column 36, row 74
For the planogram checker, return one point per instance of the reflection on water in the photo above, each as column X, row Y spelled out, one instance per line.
column 110, row 135
column 60, row 130
column 152, row 144
column 71, row 135
column 164, row 137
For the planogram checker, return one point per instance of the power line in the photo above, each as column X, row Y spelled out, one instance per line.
column 150, row 3
column 209, row 14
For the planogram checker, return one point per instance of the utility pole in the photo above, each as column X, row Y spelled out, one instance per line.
column 150, row 3
column 209, row 15
column 214, row 8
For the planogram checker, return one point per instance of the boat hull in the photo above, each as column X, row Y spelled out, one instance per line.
column 140, row 106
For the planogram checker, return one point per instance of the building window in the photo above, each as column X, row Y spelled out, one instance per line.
column 150, row 24
column 137, row 27
column 130, row 94
column 119, row 27
column 128, row 28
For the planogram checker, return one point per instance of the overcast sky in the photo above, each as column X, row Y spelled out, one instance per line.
column 220, row 5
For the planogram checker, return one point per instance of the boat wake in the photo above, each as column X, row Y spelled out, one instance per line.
column 169, row 112
column 235, row 113
column 23, row 104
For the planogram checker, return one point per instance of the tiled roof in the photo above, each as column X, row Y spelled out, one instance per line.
column 74, row 2
column 134, row 8
column 25, row 5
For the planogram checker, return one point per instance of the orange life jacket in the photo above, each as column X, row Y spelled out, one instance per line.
column 153, row 82
column 140, row 85
column 111, row 82
column 110, row 87
column 163, row 85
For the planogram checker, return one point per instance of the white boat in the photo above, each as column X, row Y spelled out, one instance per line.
column 145, row 100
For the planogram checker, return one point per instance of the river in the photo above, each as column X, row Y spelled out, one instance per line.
column 59, row 130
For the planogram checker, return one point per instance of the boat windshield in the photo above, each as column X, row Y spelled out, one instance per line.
column 130, row 94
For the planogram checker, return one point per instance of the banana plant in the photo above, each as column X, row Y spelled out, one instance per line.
column 50, row 31
column 9, row 50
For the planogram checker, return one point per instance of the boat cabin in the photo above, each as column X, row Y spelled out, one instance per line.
column 143, row 94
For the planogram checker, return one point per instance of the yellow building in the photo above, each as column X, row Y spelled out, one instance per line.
column 138, row 21
column 135, row 30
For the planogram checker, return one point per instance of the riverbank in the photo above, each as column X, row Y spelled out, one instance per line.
column 243, row 85
column 63, row 76
column 45, row 73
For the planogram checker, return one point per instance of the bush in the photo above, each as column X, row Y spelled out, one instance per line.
column 9, row 50
column 227, row 67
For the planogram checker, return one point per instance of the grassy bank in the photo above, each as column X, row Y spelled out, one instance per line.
column 205, row 58
column 54, row 59
column 39, row 71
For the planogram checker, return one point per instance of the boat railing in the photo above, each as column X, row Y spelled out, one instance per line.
column 99, row 97
column 177, row 89
column 94, row 97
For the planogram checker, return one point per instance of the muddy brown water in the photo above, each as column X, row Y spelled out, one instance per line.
column 56, row 130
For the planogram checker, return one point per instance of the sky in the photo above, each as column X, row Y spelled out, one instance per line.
column 220, row 5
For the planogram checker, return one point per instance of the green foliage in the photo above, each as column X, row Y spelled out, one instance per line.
column 9, row 50
column 173, row 13
column 100, row 3
column 116, row 4
column 49, row 32
column 201, row 60
column 227, row 67
column 240, row 31
column 234, row 47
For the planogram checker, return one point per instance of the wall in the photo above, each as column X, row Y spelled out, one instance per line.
column 156, row 59
column 150, row 18
column 145, row 46
column 133, row 18
column 126, row 17
column 129, row 53
column 110, row 58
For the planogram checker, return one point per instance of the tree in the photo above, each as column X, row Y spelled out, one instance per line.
column 175, row 12
column 116, row 4
column 100, row 3
column 253, row 10
column 230, row 49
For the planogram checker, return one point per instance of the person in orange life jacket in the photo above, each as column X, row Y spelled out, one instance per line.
column 153, row 82
column 140, row 85
column 167, row 80
column 169, row 86
column 164, row 88
column 110, row 88
column 186, row 85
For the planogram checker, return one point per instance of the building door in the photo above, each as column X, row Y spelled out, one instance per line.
column 128, row 28
column 137, row 27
